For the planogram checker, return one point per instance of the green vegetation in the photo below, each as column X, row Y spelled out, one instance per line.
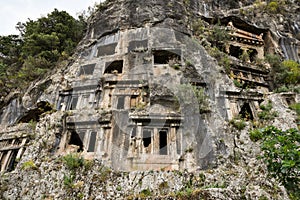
column 188, row 94
column 119, row 188
column 273, row 7
column 41, row 45
column 285, row 74
column 104, row 173
column 255, row 135
column 73, row 161
column 218, row 35
column 69, row 181
column 28, row 165
column 238, row 123
column 237, row 83
column 281, row 155
column 145, row 193
column 296, row 107
column 266, row 113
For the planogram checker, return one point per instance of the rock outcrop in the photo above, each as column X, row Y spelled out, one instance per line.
column 145, row 109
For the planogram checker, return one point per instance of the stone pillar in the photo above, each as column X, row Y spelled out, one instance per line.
column 172, row 141
column 139, row 137
column 100, row 143
column 21, row 150
column 6, row 160
column 155, row 141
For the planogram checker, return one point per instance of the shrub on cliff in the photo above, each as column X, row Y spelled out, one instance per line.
column 281, row 155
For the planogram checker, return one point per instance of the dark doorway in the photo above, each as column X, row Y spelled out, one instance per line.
column 12, row 162
column 163, row 149
column 246, row 112
column 252, row 54
column 235, row 51
column 147, row 137
column 164, row 56
column 114, row 67
column 75, row 140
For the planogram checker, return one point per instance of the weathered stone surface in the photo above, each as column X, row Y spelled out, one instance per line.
column 131, row 99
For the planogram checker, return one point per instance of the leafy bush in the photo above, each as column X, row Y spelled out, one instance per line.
column 104, row 173
column 145, row 193
column 73, row 161
column 292, row 72
column 239, row 124
column 296, row 107
column 281, row 155
column 285, row 74
column 69, row 181
column 256, row 135
column 28, row 165
column 218, row 35
column 267, row 113
column 273, row 7
column 237, row 83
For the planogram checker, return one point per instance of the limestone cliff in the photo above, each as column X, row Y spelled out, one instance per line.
column 146, row 108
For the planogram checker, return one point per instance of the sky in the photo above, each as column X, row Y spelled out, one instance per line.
column 14, row 11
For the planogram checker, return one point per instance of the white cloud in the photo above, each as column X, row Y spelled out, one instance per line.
column 14, row 11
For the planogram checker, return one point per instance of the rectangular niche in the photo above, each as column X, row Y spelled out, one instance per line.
column 73, row 103
column 115, row 67
column 87, row 69
column 164, row 56
column 106, row 50
column 163, row 142
column 121, row 102
column 138, row 45
column 92, row 142
column 147, row 134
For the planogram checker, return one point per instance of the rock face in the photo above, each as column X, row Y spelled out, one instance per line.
column 141, row 93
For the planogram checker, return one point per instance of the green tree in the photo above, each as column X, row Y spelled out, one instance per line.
column 52, row 36
column 10, row 49
column 41, row 44
column 281, row 155
column 284, row 73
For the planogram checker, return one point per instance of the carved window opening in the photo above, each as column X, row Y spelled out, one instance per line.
column 106, row 49
column 12, row 161
column 92, row 142
column 133, row 101
column 252, row 54
column 73, row 103
column 164, row 56
column 87, row 69
column 63, row 101
column 121, row 102
column 133, row 133
column 246, row 112
column 115, row 67
column 163, row 141
column 84, row 101
column 235, row 51
column 76, row 140
column 147, row 137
